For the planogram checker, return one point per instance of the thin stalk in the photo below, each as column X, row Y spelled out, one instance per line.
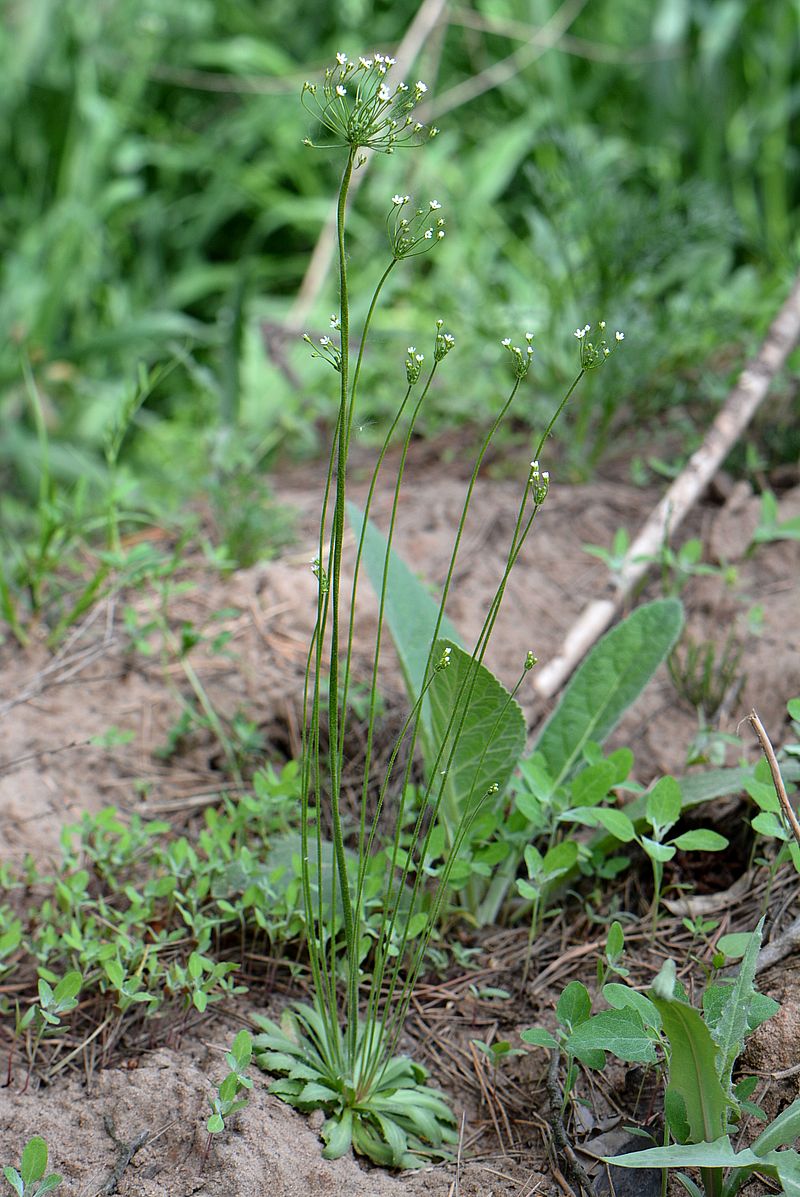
column 391, row 1024
column 519, row 536
column 381, row 606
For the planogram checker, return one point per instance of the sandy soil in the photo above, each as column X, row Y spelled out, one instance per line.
column 52, row 767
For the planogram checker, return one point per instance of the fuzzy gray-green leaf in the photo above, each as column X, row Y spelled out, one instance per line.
column 609, row 680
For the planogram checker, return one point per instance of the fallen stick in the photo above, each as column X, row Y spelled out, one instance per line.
column 729, row 424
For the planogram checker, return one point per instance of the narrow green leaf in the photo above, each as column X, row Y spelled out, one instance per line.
column 782, row 1131
column 700, row 840
column 716, row 1153
column 49, row 1183
column 731, row 1029
column 14, row 1179
column 610, row 679
column 337, row 1134
column 693, row 1069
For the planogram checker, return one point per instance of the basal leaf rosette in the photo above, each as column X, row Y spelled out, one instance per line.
column 385, row 1111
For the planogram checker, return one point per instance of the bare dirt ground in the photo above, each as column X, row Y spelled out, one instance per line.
column 55, row 708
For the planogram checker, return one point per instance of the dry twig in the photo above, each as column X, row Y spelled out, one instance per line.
column 729, row 424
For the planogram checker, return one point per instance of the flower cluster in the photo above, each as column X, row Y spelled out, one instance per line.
column 411, row 235
column 592, row 353
column 413, row 365
column 521, row 359
column 539, row 482
column 326, row 348
column 357, row 104
column 443, row 343
column 443, row 661
column 320, row 574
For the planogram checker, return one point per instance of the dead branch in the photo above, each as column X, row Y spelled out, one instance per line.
column 736, row 413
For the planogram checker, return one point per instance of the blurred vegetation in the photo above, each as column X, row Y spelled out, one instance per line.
column 637, row 162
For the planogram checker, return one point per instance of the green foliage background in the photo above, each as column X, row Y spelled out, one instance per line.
column 158, row 207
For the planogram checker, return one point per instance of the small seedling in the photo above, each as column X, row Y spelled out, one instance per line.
column 769, row 527
column 702, row 1102
column 228, row 1100
column 47, row 1014
column 613, row 558
column 663, row 806
column 30, row 1180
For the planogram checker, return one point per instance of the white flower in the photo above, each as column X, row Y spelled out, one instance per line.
column 384, row 95
column 535, row 467
column 545, row 476
column 390, row 61
column 506, row 341
column 619, row 336
column 602, row 325
column 421, row 87
column 411, row 349
column 434, row 205
column 341, row 59
column 428, row 234
column 419, row 357
column 325, row 341
column 341, row 91
column 440, row 234
column 580, row 333
column 366, row 63
column 529, row 337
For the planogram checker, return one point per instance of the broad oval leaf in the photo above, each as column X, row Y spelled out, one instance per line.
column 622, row 996
column 617, row 1031
column 538, row 1037
column 574, row 1006
column 664, row 803
column 34, row 1159
column 480, row 728
column 610, row 679
column 702, row 839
